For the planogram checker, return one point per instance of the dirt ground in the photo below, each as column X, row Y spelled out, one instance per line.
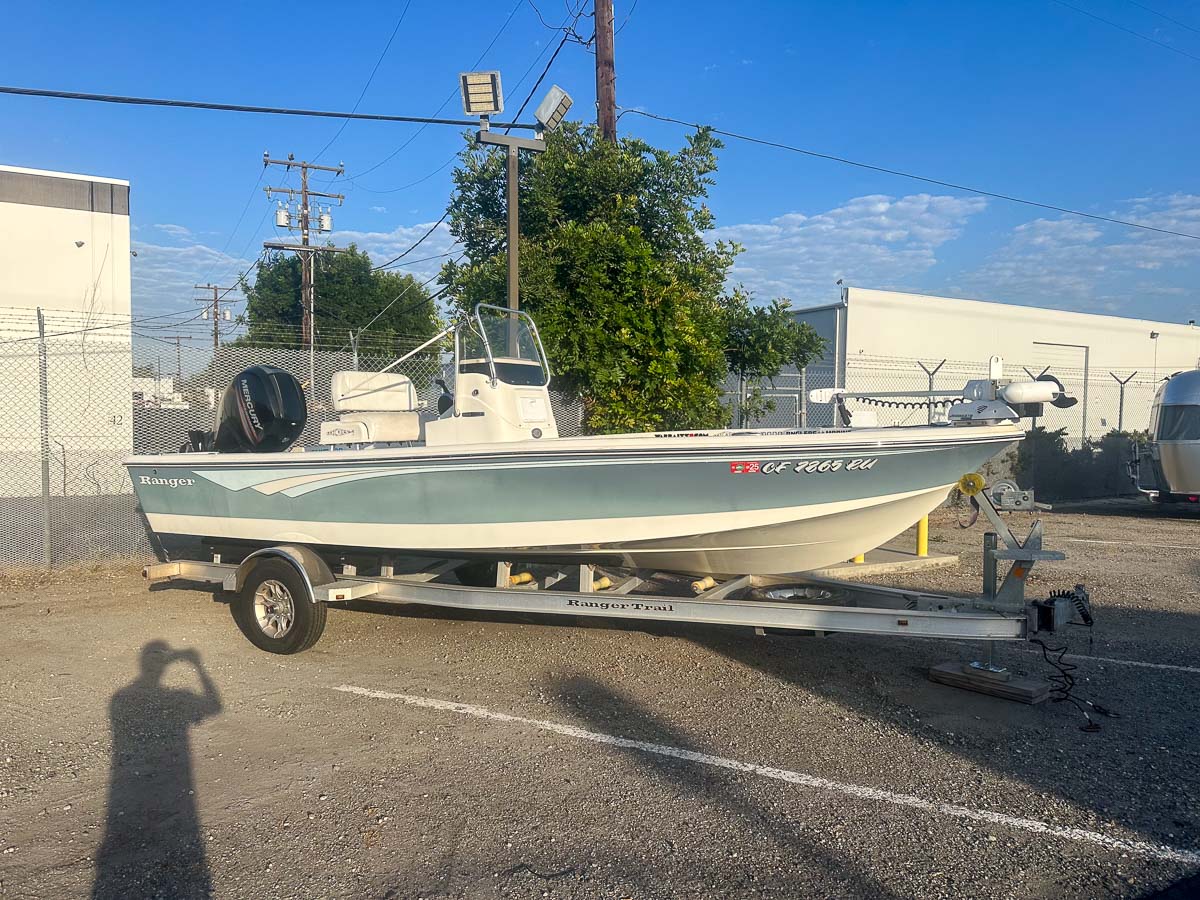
column 148, row 750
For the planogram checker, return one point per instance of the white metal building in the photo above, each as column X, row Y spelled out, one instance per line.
column 64, row 249
column 880, row 339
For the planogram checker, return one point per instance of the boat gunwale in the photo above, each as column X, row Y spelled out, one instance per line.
column 648, row 445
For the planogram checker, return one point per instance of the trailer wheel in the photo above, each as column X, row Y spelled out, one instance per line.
column 276, row 610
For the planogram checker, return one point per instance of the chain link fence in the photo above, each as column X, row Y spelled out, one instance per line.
column 1107, row 400
column 76, row 406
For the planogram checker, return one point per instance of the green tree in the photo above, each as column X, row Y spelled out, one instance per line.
column 349, row 293
column 629, row 296
column 762, row 340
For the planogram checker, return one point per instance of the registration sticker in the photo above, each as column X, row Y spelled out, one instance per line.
column 745, row 468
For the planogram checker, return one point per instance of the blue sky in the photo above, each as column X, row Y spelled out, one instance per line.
column 1030, row 98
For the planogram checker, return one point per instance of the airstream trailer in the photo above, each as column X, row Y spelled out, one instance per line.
column 1167, row 469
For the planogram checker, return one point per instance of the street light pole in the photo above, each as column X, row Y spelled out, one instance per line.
column 483, row 97
column 512, row 145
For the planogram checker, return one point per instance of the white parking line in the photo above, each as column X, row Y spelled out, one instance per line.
column 1142, row 848
column 1133, row 662
column 1132, row 544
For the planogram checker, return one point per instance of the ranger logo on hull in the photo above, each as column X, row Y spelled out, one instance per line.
column 166, row 482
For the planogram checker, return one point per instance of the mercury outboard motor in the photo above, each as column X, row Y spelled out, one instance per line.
column 262, row 411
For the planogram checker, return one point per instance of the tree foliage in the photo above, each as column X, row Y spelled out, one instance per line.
column 629, row 296
column 762, row 340
column 349, row 293
column 1097, row 468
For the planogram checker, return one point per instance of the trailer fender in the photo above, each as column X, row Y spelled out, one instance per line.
column 308, row 563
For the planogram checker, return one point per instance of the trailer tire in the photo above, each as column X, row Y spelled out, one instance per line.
column 275, row 609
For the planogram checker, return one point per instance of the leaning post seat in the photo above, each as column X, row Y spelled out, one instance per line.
column 374, row 407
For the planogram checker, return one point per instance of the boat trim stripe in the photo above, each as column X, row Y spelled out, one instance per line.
column 616, row 531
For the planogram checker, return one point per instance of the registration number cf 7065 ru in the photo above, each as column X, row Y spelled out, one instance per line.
column 802, row 466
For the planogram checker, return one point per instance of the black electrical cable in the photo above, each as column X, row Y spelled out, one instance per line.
column 1136, row 34
column 370, row 78
column 449, row 97
column 566, row 36
column 240, row 107
column 414, row 246
column 901, row 174
column 1165, row 16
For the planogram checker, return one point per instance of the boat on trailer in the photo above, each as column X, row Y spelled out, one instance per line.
column 396, row 506
column 490, row 477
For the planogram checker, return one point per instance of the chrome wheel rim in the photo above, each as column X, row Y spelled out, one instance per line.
column 274, row 609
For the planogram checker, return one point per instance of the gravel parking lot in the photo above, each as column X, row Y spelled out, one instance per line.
column 148, row 750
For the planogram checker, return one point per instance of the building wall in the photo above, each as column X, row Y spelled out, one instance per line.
column 64, row 248
column 42, row 216
column 887, row 336
column 889, row 323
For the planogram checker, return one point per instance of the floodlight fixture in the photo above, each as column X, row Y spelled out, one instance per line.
column 481, row 93
column 553, row 108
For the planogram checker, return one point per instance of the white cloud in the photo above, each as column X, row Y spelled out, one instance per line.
column 386, row 245
column 875, row 240
column 1084, row 264
column 175, row 230
column 379, row 209
column 163, row 276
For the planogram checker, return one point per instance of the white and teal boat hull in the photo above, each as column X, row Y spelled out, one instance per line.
column 753, row 502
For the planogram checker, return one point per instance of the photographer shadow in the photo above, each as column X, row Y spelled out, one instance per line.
column 153, row 845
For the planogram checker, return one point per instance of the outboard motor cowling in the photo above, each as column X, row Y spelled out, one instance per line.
column 262, row 411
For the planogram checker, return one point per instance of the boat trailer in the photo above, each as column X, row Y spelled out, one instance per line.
column 282, row 592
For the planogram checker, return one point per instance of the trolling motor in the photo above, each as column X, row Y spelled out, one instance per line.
column 983, row 401
column 996, row 399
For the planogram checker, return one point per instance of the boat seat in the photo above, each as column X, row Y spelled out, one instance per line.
column 373, row 392
column 372, row 428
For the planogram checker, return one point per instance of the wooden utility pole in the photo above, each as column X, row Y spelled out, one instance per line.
column 214, row 310
column 303, row 221
column 606, row 72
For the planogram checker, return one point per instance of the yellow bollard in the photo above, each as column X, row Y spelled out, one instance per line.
column 860, row 559
column 923, row 536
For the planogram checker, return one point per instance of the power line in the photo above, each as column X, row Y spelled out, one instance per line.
column 935, row 181
column 628, row 16
column 568, row 31
column 1136, row 34
column 128, row 324
column 449, row 97
column 413, row 262
column 238, row 107
column 420, row 240
column 1165, row 16
column 411, row 184
column 409, row 309
column 287, row 178
column 240, row 218
column 370, row 78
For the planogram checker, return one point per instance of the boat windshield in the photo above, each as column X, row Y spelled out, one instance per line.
column 507, row 340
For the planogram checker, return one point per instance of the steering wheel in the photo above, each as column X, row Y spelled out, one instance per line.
column 446, row 401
